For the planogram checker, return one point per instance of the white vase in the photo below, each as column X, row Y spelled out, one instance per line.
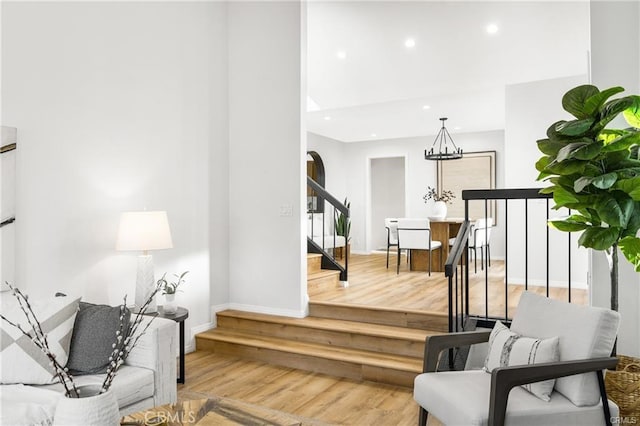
column 170, row 306
column 91, row 408
column 439, row 211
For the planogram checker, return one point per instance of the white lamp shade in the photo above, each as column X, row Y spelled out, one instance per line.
column 144, row 231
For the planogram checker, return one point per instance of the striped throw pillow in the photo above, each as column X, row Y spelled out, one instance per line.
column 21, row 361
column 507, row 348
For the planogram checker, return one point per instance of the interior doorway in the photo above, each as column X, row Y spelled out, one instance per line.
column 387, row 196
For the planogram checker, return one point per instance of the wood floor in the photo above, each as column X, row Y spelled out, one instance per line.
column 325, row 399
column 321, row 398
column 371, row 283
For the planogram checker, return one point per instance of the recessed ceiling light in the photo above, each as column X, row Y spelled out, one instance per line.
column 326, row 117
column 425, row 107
column 373, row 135
column 409, row 43
column 492, row 28
column 341, row 54
column 457, row 128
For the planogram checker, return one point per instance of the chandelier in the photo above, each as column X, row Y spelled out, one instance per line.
column 444, row 151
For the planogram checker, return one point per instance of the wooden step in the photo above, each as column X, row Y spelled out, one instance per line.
column 337, row 361
column 314, row 262
column 330, row 332
column 325, row 278
column 425, row 320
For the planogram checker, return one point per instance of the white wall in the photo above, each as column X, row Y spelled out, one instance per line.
column 530, row 109
column 615, row 61
column 420, row 173
column 117, row 106
column 266, row 158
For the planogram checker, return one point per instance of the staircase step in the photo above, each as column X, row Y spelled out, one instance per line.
column 424, row 320
column 337, row 361
column 314, row 262
column 325, row 278
column 330, row 332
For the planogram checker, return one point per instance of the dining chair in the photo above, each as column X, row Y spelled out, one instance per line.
column 391, row 225
column 415, row 234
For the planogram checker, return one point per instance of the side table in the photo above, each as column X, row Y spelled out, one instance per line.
column 179, row 317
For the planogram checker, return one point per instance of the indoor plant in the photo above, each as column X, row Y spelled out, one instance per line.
column 440, row 202
column 169, row 290
column 595, row 172
column 342, row 225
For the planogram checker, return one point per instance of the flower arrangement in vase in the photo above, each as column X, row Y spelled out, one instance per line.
column 441, row 200
column 169, row 290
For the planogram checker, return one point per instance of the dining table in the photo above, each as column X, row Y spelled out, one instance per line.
column 441, row 230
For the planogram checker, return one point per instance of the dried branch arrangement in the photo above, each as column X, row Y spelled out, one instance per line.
column 126, row 338
column 446, row 196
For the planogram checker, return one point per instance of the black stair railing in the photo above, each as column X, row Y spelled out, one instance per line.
column 323, row 212
column 457, row 264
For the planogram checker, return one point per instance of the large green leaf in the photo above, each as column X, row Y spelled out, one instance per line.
column 574, row 100
column 562, row 197
column 548, row 189
column 630, row 187
column 630, row 247
column 632, row 114
column 593, row 104
column 568, row 225
column 582, row 183
column 582, row 150
column 622, row 142
column 575, row 127
column 550, row 147
column 611, row 111
column 634, row 221
column 614, row 212
column 605, row 181
column 599, row 238
column 542, row 163
column 567, row 167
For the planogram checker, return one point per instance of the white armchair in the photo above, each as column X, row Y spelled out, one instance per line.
column 585, row 338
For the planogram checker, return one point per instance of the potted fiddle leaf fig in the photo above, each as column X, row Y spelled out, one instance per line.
column 595, row 172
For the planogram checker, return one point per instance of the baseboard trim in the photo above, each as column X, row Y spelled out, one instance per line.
column 268, row 310
column 190, row 344
column 552, row 283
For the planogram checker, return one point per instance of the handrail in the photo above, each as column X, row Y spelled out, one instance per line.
column 327, row 196
column 503, row 194
column 328, row 259
column 458, row 248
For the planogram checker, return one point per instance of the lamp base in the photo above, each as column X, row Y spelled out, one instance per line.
column 145, row 283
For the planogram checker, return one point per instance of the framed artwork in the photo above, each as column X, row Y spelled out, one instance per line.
column 8, row 148
column 476, row 170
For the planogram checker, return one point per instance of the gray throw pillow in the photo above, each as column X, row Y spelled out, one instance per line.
column 94, row 333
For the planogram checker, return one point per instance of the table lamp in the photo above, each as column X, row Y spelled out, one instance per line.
column 144, row 231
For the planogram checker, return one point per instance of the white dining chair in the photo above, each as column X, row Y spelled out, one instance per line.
column 415, row 234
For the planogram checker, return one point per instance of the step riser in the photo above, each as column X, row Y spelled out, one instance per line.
column 330, row 281
column 327, row 337
column 314, row 264
column 344, row 369
column 423, row 321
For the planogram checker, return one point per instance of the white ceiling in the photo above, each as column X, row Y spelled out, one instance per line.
column 456, row 66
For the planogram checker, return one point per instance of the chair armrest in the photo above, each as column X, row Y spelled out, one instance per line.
column 156, row 350
column 433, row 345
column 503, row 379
